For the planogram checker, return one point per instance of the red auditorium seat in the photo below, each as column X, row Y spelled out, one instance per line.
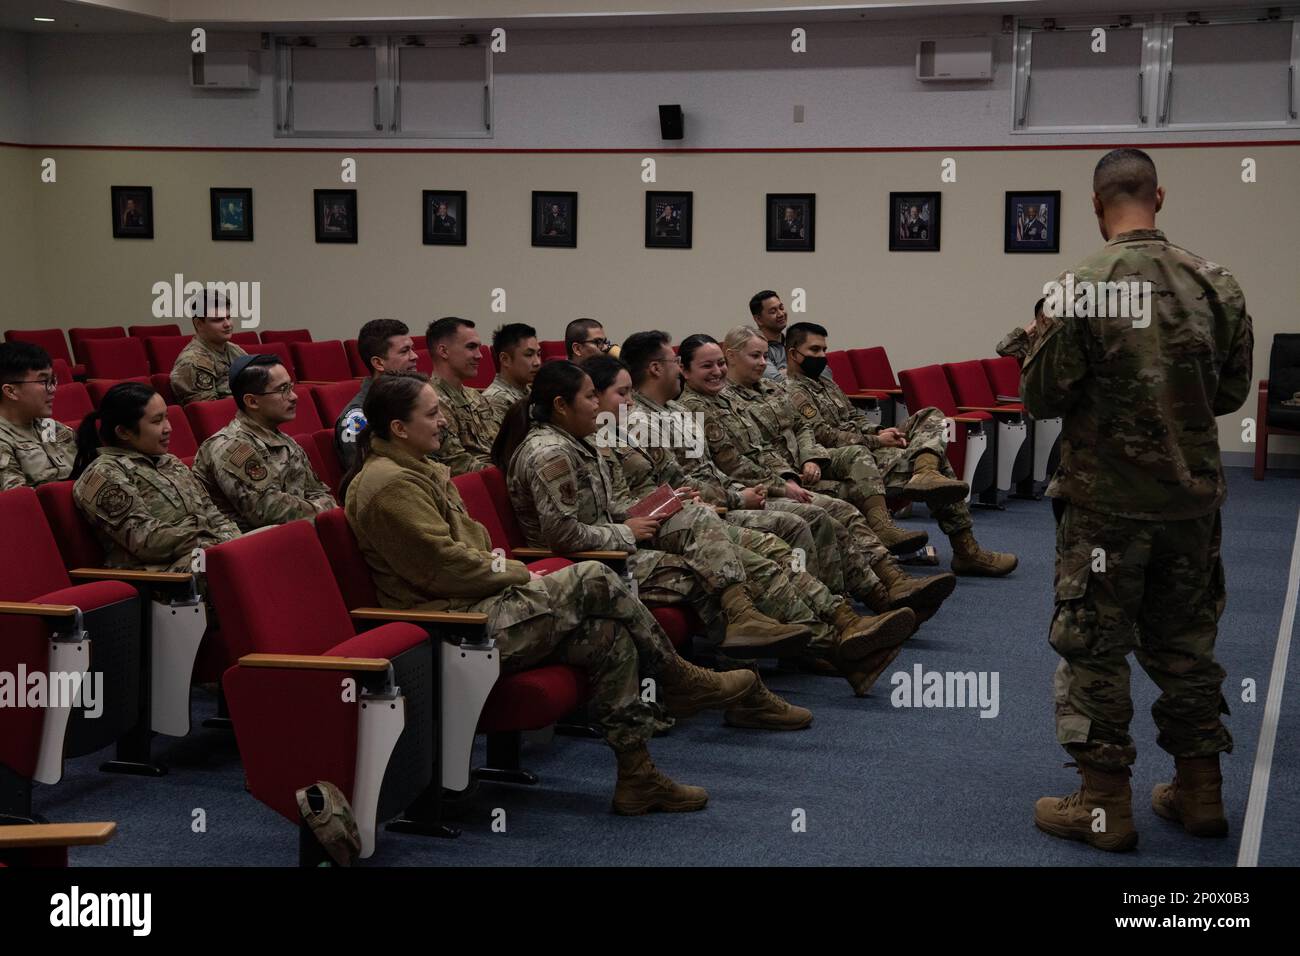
column 552, row 349
column 295, row 643
column 116, row 358
column 72, row 403
column 279, row 350
column 163, row 349
column 52, row 341
column 183, row 443
column 926, row 386
column 162, row 384
column 98, row 386
column 970, row 387
column 307, row 441
column 332, row 398
column 306, row 418
column 1003, row 374
column 321, row 361
column 842, row 371
column 287, row 336
column 168, row 329
column 328, row 467
column 244, row 339
column 44, row 615
column 208, row 418
column 487, row 370
column 358, row 367
column 423, row 362
column 62, row 371
column 80, row 336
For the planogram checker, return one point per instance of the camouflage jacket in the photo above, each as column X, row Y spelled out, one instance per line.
column 43, row 451
column 423, row 548
column 471, row 428
column 149, row 513
column 1017, row 343
column 836, row 421
column 202, row 374
column 768, row 404
column 737, row 443
column 500, row 396
column 672, row 465
column 564, row 494
column 258, row 476
column 1139, row 438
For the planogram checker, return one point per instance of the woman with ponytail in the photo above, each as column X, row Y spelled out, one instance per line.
column 145, row 506
column 425, row 552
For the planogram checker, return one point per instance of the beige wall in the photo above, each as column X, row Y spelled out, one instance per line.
column 933, row 307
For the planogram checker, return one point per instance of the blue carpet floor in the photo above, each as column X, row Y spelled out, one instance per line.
column 877, row 785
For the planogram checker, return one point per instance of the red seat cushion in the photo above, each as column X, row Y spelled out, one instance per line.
column 98, row 387
column 306, row 418
column 80, row 336
column 327, row 459
column 495, row 484
column 163, row 350
column 116, row 358
column 547, row 565
column 332, row 398
column 872, row 369
column 244, row 339
column 162, row 384
column 279, row 349
column 183, row 444
column 77, row 544
column 1003, row 374
column 679, row 623
column 287, row 336
column 72, row 402
column 532, row 699
column 208, row 418
column 348, row 565
column 387, row 640
column 30, row 562
column 481, row 507
column 359, row 369
column 842, row 371
column 169, row 329
column 89, row 596
column 51, row 340
column 320, row 361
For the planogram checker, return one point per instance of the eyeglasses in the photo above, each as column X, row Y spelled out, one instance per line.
column 50, row 383
column 599, row 343
column 283, row 391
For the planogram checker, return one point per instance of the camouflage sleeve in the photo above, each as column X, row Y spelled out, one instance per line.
column 810, row 449
column 191, row 383
column 1015, row 344
column 732, row 463
column 1051, row 380
column 11, row 472
column 714, row 487
column 218, row 525
column 621, row 496
column 319, row 495
column 247, row 483
column 1236, row 373
column 454, row 455
column 554, row 485
column 116, row 510
column 824, row 432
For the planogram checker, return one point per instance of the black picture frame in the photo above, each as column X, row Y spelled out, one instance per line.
column 434, row 228
column 1041, row 232
column 555, row 219
column 335, row 214
column 232, row 213
column 919, row 234
column 790, row 234
column 673, row 232
column 132, row 212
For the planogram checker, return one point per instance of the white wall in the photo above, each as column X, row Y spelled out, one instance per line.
column 15, row 97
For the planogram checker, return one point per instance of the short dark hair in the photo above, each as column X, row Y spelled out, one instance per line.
column 254, row 377
column 440, row 330
column 575, row 333
column 1038, row 306
column 201, row 304
column 372, row 341
column 19, row 358
column 796, row 334
column 757, row 299
column 1125, row 175
column 692, row 344
column 603, row 369
column 640, row 349
column 122, row 406
column 508, row 337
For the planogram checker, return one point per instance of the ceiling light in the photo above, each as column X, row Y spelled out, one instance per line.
column 43, row 19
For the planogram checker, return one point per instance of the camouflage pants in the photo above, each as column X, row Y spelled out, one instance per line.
column 583, row 616
column 1160, row 597
column 852, row 475
column 787, row 526
column 844, row 562
column 925, row 431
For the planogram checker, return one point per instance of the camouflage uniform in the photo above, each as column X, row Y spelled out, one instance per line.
column 348, row 426
column 1141, row 479
column 426, row 552
column 28, row 458
column 838, row 424
column 149, row 513
column 471, row 428
column 202, row 373
column 739, row 448
column 258, row 476
column 1017, row 343
column 500, row 396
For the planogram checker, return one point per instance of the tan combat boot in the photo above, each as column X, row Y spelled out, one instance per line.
column 858, row 637
column 687, row 689
column 924, row 595
column 752, row 634
column 870, row 668
column 1195, row 798
column 969, row 558
column 1075, row 817
column 932, row 486
column 641, row 788
column 897, row 540
column 764, row 710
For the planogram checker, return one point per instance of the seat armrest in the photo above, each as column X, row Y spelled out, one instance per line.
column 27, row 836
column 537, row 554
column 988, row 408
column 131, row 577
column 38, row 610
column 315, row 662
column 458, row 618
column 969, row 419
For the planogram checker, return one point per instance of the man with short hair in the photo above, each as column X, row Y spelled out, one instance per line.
column 768, row 313
column 34, row 448
column 911, row 458
column 519, row 356
column 256, row 475
column 456, row 351
column 583, row 338
column 201, row 372
column 385, row 346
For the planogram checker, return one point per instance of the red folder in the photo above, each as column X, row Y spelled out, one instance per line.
column 660, row 503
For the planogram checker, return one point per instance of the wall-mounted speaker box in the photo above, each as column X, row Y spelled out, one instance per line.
column 955, row 58
column 671, row 122
column 234, row 70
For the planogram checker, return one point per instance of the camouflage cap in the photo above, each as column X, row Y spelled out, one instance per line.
column 333, row 824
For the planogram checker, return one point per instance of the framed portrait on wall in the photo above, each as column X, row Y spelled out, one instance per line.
column 442, row 212
column 132, row 212
column 668, row 219
column 914, row 222
column 232, row 214
column 555, row 219
column 335, row 214
column 790, row 221
column 1033, row 222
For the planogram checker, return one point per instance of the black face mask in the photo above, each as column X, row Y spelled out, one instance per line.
column 813, row 365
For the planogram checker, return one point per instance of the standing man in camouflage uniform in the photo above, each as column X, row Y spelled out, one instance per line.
column 456, row 351
column 202, row 370
column 518, row 356
column 911, row 458
column 1141, row 483
column 255, row 474
column 34, row 448
column 385, row 345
